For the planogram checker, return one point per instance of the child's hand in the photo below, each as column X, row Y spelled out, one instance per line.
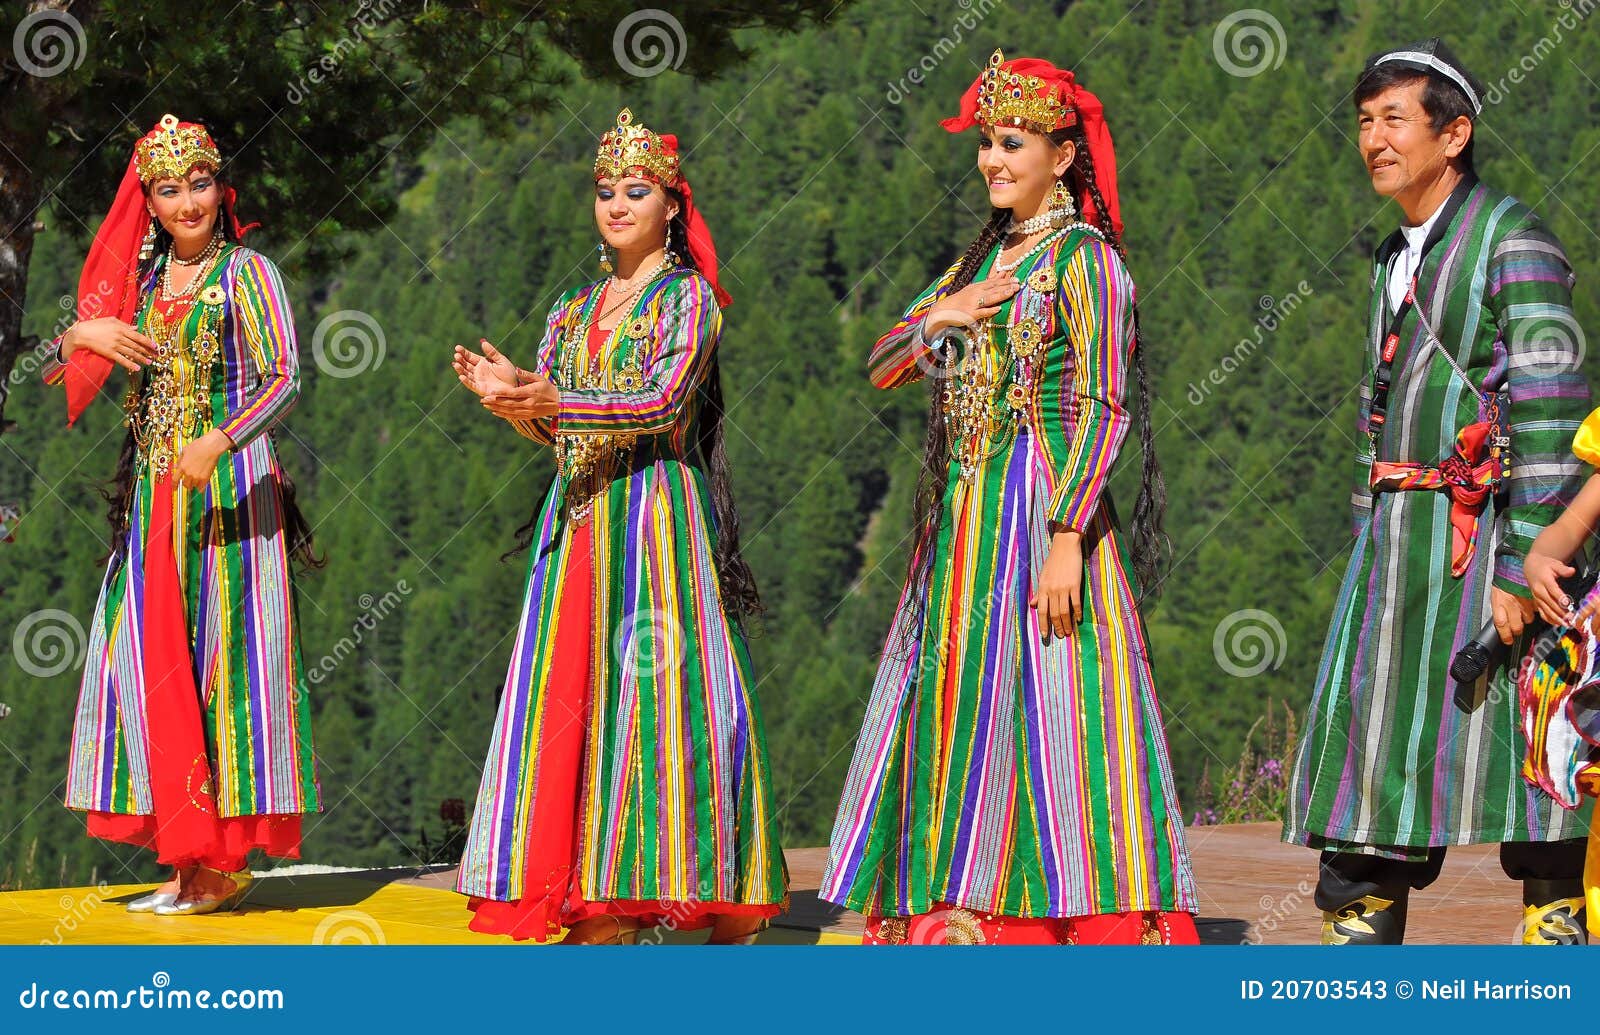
column 1544, row 574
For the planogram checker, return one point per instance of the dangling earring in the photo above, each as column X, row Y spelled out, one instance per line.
column 147, row 247
column 672, row 259
column 605, row 257
column 1061, row 198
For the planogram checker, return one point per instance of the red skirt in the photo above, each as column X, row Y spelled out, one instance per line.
column 183, row 827
column 553, row 843
column 952, row 925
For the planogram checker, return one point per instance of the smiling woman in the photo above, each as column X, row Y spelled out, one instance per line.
column 1012, row 784
column 627, row 783
column 193, row 728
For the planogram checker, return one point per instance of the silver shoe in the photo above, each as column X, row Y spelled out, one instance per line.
column 199, row 907
column 153, row 901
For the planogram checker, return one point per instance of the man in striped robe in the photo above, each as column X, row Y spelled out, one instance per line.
column 1472, row 394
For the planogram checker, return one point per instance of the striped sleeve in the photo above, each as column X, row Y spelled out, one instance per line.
column 540, row 429
column 893, row 361
column 262, row 317
column 1529, row 294
column 1095, row 307
column 688, row 328
column 54, row 371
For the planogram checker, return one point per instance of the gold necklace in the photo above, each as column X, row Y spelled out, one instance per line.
column 972, row 398
column 586, row 462
column 206, row 260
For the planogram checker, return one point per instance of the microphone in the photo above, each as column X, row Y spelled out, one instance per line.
column 1474, row 658
column 1486, row 649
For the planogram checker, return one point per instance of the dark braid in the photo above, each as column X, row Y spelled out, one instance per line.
column 1151, row 547
column 929, row 505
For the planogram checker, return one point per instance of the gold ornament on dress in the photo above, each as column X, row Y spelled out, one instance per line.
column 992, row 392
column 171, row 150
column 1043, row 279
column 1008, row 99
column 893, row 930
column 962, row 927
column 174, row 407
column 631, row 149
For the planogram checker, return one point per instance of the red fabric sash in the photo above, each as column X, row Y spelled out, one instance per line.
column 1467, row 475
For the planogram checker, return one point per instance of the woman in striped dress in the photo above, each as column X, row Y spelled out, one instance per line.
column 627, row 783
column 193, row 728
column 1011, row 783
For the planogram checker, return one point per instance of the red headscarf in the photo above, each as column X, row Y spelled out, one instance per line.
column 109, row 283
column 631, row 149
column 1077, row 104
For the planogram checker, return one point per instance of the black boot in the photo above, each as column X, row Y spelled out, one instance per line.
column 1553, row 912
column 1369, row 920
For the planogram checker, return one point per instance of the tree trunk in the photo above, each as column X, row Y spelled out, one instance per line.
column 19, row 206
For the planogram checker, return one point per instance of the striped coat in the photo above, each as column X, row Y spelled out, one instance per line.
column 995, row 771
column 675, row 793
column 1394, row 757
column 236, row 579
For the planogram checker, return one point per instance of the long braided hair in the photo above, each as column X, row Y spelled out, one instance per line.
column 1150, row 544
column 300, row 544
column 741, row 598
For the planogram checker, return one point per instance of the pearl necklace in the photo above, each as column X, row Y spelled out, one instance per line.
column 1007, row 267
column 206, row 260
column 667, row 262
column 1050, row 219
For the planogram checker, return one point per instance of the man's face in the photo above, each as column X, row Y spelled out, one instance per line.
column 1397, row 140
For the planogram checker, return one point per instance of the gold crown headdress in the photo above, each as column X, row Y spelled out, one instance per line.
column 172, row 149
column 630, row 148
column 1007, row 98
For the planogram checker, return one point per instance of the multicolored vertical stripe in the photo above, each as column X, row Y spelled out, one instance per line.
column 995, row 770
column 238, row 588
column 676, row 800
column 1395, row 756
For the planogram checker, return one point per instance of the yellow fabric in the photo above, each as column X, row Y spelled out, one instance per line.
column 1586, row 443
column 319, row 909
column 1591, row 879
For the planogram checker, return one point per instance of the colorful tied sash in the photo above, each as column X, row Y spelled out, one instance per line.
column 1469, row 475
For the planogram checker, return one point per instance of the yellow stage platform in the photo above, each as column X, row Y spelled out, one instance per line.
column 371, row 908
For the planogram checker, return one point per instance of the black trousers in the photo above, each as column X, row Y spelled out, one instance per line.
column 1344, row 877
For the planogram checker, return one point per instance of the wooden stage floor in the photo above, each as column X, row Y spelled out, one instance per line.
column 1253, row 890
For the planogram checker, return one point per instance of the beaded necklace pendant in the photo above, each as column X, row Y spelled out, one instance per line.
column 995, row 389
column 174, row 406
column 587, row 464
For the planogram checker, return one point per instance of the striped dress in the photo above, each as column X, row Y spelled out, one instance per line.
column 996, row 772
column 233, row 566
column 672, row 792
column 1395, row 757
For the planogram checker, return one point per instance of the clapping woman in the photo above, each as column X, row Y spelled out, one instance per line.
column 627, row 783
